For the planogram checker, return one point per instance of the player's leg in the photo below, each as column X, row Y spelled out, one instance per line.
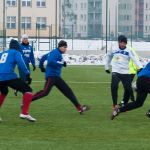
column 4, row 92
column 67, row 91
column 114, row 88
column 126, row 81
column 47, row 88
column 25, row 89
column 22, row 77
column 132, row 93
column 142, row 92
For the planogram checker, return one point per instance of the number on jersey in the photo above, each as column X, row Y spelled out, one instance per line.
column 3, row 58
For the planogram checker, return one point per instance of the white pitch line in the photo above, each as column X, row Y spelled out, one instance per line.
column 76, row 82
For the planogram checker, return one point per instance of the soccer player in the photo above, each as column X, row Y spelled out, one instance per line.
column 8, row 78
column 119, row 60
column 53, row 69
column 28, row 56
column 143, row 88
column 133, row 70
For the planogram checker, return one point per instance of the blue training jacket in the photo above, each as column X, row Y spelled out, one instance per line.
column 27, row 53
column 145, row 71
column 8, row 61
column 54, row 63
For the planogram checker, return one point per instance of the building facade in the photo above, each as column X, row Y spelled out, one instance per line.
column 146, row 19
column 134, row 18
column 95, row 18
column 38, row 17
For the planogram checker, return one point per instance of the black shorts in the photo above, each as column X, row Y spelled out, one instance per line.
column 16, row 84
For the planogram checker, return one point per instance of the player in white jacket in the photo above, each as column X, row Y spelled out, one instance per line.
column 119, row 59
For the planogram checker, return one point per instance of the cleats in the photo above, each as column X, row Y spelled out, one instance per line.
column 15, row 92
column 27, row 117
column 148, row 114
column 114, row 113
column 83, row 108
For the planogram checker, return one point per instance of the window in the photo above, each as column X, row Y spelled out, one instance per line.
column 84, row 17
column 76, row 6
column 26, row 3
column 11, row 22
column 26, row 22
column 146, row 17
column 11, row 2
column 41, row 3
column 146, row 29
column 84, row 28
column 41, row 22
column 81, row 17
column 81, row 5
column 84, row 5
column 146, row 5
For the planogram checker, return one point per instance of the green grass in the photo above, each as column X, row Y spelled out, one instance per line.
column 60, row 127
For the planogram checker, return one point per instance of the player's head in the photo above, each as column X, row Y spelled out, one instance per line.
column 14, row 44
column 122, row 41
column 24, row 39
column 62, row 45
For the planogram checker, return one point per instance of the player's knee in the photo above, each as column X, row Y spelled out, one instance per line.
column 27, row 90
column 114, row 87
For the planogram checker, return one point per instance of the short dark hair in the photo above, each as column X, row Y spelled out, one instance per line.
column 122, row 38
column 62, row 43
column 14, row 44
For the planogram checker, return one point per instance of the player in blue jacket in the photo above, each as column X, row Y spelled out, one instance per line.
column 28, row 56
column 53, row 69
column 143, row 89
column 8, row 78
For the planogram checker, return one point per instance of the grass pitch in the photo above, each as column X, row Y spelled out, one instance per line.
column 60, row 127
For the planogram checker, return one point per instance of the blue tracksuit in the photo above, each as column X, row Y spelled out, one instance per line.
column 28, row 56
column 8, row 61
column 27, row 53
column 145, row 71
column 54, row 63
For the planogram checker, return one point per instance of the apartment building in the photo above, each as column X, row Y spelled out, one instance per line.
column 38, row 17
column 74, row 18
column 134, row 18
column 81, row 18
column 146, row 8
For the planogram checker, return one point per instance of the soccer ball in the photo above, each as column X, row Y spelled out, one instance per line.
column 134, row 86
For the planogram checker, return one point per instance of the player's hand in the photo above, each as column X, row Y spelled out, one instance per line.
column 107, row 71
column 34, row 68
column 28, row 79
column 43, row 69
column 65, row 64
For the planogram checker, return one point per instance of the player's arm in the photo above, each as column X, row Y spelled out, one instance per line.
column 32, row 59
column 53, row 60
column 42, row 60
column 135, row 60
column 41, row 63
column 108, row 59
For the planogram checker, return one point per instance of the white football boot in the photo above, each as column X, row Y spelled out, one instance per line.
column 27, row 117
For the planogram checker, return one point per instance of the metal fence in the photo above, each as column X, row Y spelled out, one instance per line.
column 46, row 37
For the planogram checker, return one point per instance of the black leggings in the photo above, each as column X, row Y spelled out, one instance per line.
column 61, row 85
column 126, row 81
column 143, row 88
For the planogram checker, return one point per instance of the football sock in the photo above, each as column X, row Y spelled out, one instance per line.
column 27, row 97
column 2, row 98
